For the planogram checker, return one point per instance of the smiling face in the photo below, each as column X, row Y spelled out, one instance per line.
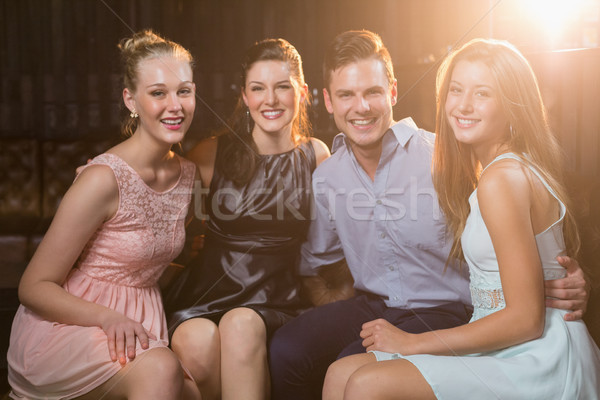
column 164, row 98
column 360, row 97
column 272, row 96
column 473, row 108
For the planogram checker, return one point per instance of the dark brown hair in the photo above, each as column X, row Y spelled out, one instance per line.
column 239, row 155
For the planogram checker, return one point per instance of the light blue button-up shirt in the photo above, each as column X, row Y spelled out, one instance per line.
column 390, row 230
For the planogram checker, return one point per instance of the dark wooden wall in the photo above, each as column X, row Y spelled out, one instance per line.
column 60, row 90
column 59, row 70
column 59, row 63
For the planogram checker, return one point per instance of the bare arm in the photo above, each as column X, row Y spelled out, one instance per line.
column 204, row 155
column 505, row 203
column 321, row 150
column 325, row 274
column 92, row 199
column 89, row 202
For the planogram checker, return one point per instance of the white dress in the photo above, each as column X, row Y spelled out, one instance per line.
column 564, row 363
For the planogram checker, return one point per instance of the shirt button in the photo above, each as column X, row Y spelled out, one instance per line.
column 382, row 235
column 378, row 201
column 391, row 268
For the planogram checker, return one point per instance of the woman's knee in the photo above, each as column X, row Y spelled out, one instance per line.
column 158, row 368
column 398, row 379
column 193, row 335
column 197, row 343
column 339, row 372
column 335, row 381
column 153, row 374
column 360, row 384
column 163, row 362
column 243, row 327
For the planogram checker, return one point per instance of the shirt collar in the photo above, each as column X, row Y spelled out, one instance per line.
column 402, row 132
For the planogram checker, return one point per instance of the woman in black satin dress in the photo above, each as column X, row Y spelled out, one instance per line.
column 243, row 284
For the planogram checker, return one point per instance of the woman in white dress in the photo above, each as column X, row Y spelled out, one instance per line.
column 497, row 171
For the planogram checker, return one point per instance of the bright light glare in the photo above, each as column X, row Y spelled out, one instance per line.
column 554, row 17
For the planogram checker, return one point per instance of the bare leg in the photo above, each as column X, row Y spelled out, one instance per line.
column 339, row 373
column 244, row 368
column 394, row 379
column 197, row 344
column 190, row 391
column 155, row 374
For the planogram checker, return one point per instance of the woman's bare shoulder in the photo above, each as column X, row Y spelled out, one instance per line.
column 321, row 150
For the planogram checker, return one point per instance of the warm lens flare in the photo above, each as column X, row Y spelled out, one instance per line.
column 557, row 19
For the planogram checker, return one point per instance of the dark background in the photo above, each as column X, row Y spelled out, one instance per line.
column 60, row 89
column 59, row 64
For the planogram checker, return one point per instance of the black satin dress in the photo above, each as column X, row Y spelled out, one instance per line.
column 252, row 244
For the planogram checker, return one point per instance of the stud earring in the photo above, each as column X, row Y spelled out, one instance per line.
column 133, row 114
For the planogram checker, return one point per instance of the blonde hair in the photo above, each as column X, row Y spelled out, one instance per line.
column 141, row 46
column 455, row 171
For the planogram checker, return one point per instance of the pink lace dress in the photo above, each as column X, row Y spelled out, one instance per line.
column 119, row 268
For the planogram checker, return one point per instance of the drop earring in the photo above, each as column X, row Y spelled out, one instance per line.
column 248, row 121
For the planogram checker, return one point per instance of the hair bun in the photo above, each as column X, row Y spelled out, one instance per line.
column 138, row 41
column 141, row 46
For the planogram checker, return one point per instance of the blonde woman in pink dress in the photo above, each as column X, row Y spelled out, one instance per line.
column 91, row 324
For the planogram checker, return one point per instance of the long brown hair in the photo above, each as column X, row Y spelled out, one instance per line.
column 239, row 155
column 134, row 50
column 455, row 170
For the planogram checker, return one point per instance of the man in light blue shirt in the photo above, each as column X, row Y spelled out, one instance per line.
column 389, row 229
column 376, row 208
